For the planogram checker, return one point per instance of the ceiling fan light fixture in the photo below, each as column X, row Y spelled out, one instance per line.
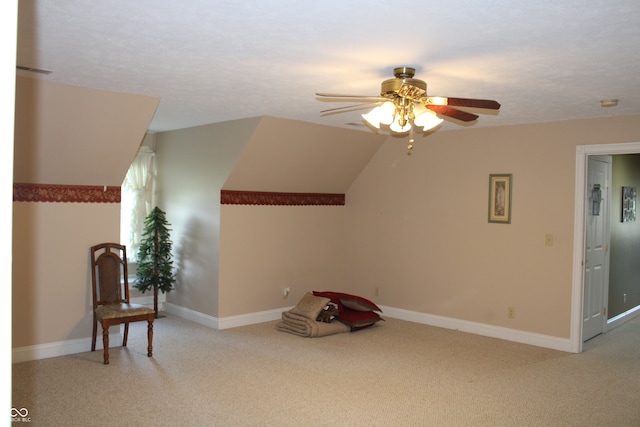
column 403, row 104
column 427, row 120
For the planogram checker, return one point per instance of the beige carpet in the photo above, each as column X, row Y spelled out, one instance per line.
column 394, row 374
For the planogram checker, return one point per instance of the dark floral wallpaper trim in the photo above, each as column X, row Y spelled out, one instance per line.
column 232, row 197
column 65, row 193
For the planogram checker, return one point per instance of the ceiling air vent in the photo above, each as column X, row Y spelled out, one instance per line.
column 33, row 70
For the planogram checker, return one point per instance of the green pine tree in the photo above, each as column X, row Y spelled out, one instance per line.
column 154, row 258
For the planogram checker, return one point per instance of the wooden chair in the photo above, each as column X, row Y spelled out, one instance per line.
column 111, row 296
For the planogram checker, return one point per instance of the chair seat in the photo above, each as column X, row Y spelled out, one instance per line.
column 118, row 310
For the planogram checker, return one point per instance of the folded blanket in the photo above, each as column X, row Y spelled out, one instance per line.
column 304, row 327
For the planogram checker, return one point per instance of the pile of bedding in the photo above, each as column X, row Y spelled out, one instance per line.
column 320, row 314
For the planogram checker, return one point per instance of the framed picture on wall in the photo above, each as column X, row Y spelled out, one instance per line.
column 628, row 204
column 500, row 198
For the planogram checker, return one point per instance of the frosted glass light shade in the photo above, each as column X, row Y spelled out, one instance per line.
column 372, row 118
column 398, row 128
column 387, row 112
column 425, row 118
column 382, row 114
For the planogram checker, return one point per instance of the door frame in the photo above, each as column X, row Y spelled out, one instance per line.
column 577, row 293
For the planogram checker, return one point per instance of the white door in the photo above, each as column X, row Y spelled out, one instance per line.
column 596, row 259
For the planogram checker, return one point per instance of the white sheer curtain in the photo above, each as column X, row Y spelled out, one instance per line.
column 137, row 199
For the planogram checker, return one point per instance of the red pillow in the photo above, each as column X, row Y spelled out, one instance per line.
column 358, row 319
column 353, row 302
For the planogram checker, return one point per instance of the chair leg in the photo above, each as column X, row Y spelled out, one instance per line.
column 150, row 337
column 95, row 333
column 105, row 343
column 126, row 334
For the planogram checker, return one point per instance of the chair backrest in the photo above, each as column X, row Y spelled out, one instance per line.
column 109, row 274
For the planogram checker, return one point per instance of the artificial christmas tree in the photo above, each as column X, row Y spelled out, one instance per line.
column 154, row 257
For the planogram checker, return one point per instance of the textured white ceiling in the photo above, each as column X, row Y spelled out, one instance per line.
column 212, row 61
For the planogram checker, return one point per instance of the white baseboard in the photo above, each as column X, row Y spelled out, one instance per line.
column 623, row 318
column 82, row 345
column 251, row 318
column 225, row 322
column 562, row 344
column 192, row 315
column 556, row 343
column 60, row 348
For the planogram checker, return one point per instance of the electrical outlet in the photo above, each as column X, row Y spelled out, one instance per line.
column 376, row 291
column 285, row 293
column 511, row 312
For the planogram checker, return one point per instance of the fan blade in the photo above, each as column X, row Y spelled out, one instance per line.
column 451, row 112
column 337, row 95
column 464, row 102
column 346, row 107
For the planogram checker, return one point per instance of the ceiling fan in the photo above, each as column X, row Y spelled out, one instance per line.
column 404, row 104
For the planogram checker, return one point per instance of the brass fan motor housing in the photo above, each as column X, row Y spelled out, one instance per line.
column 403, row 75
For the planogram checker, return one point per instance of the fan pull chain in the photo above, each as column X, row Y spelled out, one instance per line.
column 410, row 145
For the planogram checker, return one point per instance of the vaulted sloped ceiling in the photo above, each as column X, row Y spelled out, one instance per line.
column 299, row 157
column 70, row 135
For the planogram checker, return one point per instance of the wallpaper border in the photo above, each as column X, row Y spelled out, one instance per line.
column 24, row 192
column 234, row 197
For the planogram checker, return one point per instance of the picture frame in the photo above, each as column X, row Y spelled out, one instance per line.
column 500, row 188
column 629, row 204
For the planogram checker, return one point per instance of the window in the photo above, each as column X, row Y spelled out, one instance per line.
column 136, row 199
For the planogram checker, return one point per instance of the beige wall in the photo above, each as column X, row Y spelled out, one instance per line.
column 192, row 167
column 73, row 136
column 414, row 226
column 235, row 260
column 51, row 296
column 265, row 249
column 298, row 157
column 417, row 225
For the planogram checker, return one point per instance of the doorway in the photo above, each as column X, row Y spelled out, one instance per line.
column 582, row 155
